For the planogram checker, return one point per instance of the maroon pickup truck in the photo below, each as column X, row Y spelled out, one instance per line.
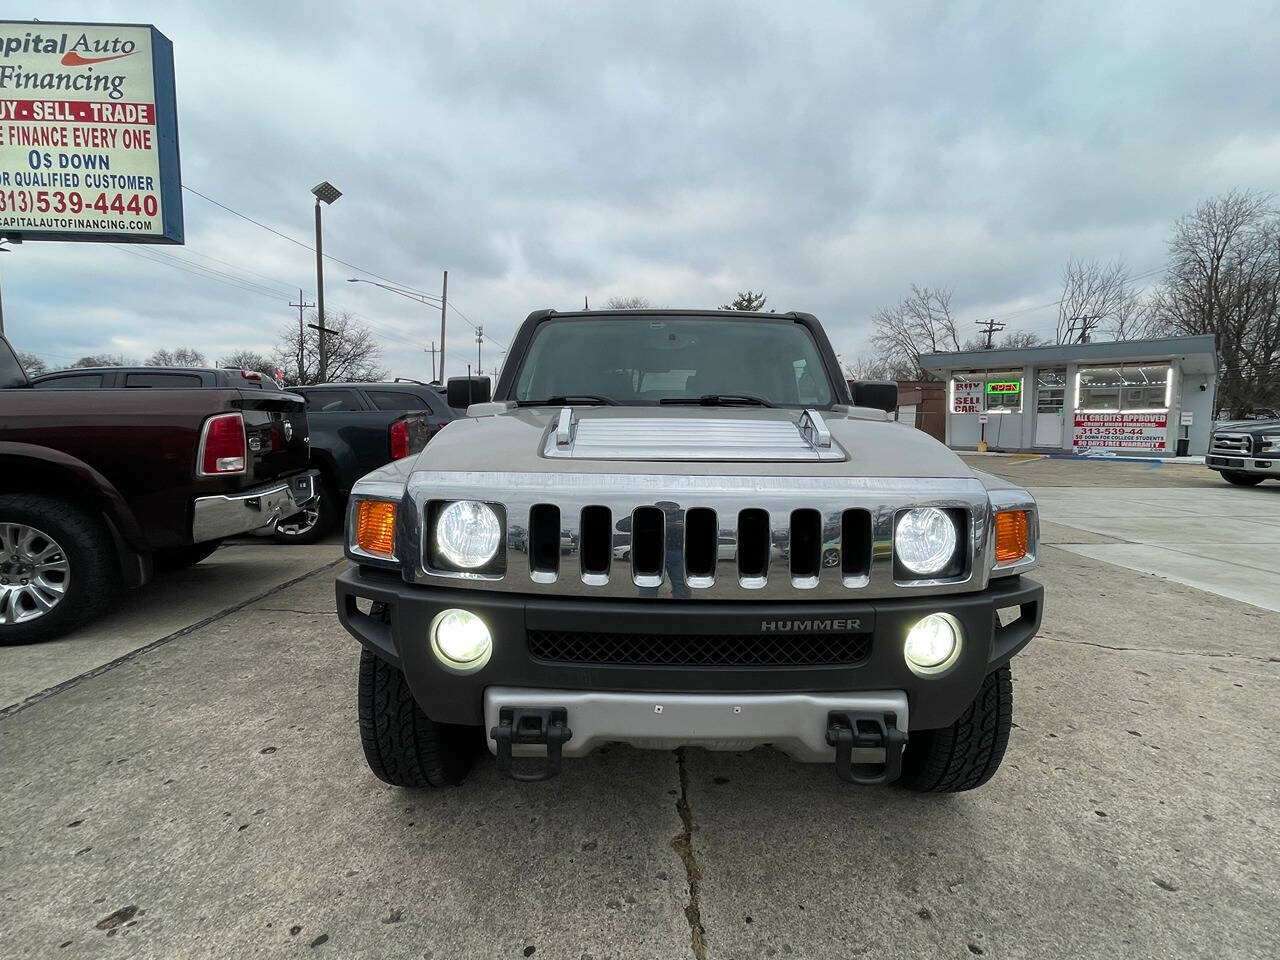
column 98, row 488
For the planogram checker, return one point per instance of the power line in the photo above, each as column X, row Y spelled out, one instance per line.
column 284, row 236
column 306, row 246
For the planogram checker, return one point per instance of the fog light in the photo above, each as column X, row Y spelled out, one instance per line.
column 933, row 643
column 461, row 640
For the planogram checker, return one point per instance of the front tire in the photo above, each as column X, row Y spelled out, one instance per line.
column 1242, row 479
column 967, row 753
column 58, row 568
column 402, row 745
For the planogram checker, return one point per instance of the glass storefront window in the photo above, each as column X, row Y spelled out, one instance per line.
column 1122, row 388
column 1004, row 391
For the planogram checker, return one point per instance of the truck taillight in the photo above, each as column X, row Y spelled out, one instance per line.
column 399, row 439
column 223, row 449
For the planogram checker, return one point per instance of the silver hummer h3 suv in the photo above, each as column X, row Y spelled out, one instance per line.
column 681, row 527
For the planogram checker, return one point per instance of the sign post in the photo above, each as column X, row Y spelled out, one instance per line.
column 88, row 133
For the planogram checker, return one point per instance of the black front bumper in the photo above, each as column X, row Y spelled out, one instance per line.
column 400, row 636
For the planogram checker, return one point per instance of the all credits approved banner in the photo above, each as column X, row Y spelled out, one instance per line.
column 88, row 133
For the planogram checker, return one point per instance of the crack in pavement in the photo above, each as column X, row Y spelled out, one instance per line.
column 1157, row 650
column 57, row 688
column 682, row 843
column 305, row 613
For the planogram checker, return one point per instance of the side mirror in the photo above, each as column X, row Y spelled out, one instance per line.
column 461, row 392
column 876, row 394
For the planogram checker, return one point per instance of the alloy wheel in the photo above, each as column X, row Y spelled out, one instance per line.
column 34, row 573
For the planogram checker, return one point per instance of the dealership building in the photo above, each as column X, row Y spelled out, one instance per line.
column 1133, row 397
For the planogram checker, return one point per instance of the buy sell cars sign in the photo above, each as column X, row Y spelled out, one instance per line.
column 88, row 133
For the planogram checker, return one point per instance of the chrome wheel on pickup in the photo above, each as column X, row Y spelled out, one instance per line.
column 58, row 568
column 34, row 573
column 311, row 524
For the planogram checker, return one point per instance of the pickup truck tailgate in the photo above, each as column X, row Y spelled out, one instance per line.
column 275, row 426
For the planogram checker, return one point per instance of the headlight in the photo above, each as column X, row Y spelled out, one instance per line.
column 925, row 540
column 1270, row 443
column 932, row 644
column 468, row 534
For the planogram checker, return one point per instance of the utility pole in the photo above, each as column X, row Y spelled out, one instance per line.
column 433, row 360
column 585, row 305
column 479, row 342
column 990, row 327
column 444, row 303
column 302, row 334
column 1087, row 323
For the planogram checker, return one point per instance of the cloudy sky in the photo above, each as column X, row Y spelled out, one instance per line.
column 831, row 154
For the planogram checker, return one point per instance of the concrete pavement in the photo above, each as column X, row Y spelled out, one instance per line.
column 208, row 798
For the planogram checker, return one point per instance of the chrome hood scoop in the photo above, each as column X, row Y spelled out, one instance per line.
column 690, row 440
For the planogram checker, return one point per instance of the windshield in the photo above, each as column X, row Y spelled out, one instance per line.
column 648, row 360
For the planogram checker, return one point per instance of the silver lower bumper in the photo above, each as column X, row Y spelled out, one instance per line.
column 1216, row 461
column 795, row 723
column 225, row 516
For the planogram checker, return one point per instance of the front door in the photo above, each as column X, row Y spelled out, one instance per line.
column 1051, row 391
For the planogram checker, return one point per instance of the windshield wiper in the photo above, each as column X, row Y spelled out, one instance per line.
column 720, row 400
column 568, row 398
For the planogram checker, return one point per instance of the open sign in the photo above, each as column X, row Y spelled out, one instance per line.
column 1004, row 386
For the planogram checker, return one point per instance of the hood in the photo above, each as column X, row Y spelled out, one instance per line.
column 689, row 441
column 1248, row 426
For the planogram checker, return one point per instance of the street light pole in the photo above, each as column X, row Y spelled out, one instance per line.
column 444, row 303
column 324, row 356
column 326, row 191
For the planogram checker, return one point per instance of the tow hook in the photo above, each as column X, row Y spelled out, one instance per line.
column 849, row 729
column 548, row 726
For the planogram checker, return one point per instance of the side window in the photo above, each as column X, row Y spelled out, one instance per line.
column 169, row 380
column 399, row 400
column 330, row 401
column 79, row 381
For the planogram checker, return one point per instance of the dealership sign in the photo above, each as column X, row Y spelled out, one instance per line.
column 966, row 396
column 1137, row 431
column 88, row 133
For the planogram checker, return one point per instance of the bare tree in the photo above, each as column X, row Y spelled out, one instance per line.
column 181, row 357
column 1019, row 340
column 1224, row 279
column 250, row 360
column 1095, row 297
column 32, row 364
column 104, row 360
column 627, row 303
column 920, row 324
column 353, row 353
column 747, row 300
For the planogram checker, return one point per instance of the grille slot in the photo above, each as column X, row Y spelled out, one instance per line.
column 544, row 538
column 700, row 650
column 647, row 546
column 596, row 546
column 701, row 542
column 855, row 545
column 753, row 544
column 806, row 547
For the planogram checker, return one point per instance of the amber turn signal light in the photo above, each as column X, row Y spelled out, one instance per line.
column 1011, row 535
column 376, row 528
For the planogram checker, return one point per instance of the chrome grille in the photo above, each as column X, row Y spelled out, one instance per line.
column 697, row 537
column 1239, row 444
